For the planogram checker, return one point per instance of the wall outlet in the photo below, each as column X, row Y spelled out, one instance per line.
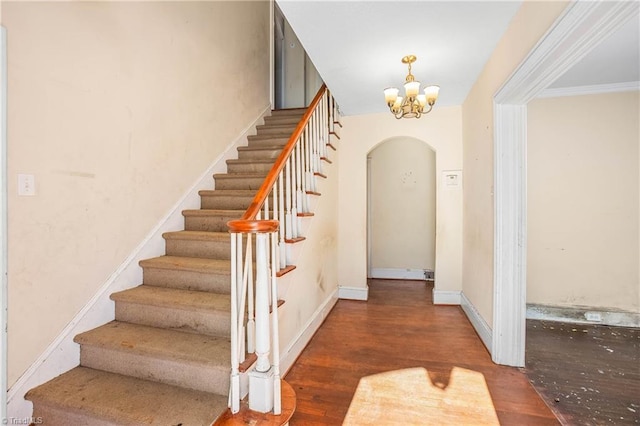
column 593, row 316
column 26, row 185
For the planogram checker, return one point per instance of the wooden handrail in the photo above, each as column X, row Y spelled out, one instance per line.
column 253, row 226
column 240, row 225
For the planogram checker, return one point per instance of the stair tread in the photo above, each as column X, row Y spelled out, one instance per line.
column 285, row 111
column 206, row 350
column 197, row 264
column 126, row 400
column 251, row 161
column 175, row 298
column 239, row 175
column 228, row 192
column 196, row 235
column 267, row 137
column 275, row 120
column 278, row 121
column 260, row 148
column 212, row 212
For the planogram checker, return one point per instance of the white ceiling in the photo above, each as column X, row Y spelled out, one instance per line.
column 357, row 45
column 615, row 60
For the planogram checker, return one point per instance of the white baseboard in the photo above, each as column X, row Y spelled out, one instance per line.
column 444, row 297
column 583, row 315
column 397, row 274
column 295, row 348
column 353, row 293
column 63, row 354
column 478, row 323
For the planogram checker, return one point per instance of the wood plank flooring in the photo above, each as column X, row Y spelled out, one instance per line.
column 588, row 374
column 398, row 331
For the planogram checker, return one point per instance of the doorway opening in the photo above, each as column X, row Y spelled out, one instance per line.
column 401, row 210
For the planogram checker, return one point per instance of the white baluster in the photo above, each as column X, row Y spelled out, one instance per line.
column 318, row 153
column 294, row 202
column 282, row 245
column 251, row 323
column 315, row 157
column 261, row 379
column 276, row 212
column 275, row 332
column 298, row 159
column 303, row 167
column 234, row 391
column 240, row 299
column 288, row 221
column 262, row 304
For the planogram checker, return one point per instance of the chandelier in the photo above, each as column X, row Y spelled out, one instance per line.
column 412, row 104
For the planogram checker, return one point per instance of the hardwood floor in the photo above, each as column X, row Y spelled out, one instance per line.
column 399, row 330
column 588, row 374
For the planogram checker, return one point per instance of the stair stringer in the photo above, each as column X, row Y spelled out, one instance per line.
column 63, row 354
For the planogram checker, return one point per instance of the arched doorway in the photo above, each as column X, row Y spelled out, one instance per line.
column 401, row 209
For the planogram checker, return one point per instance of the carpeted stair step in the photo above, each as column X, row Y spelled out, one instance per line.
column 282, row 119
column 276, row 129
column 187, row 360
column 226, row 199
column 209, row 220
column 267, row 140
column 84, row 396
column 249, row 166
column 203, row 244
column 188, row 273
column 184, row 310
column 259, row 152
column 246, row 181
column 288, row 111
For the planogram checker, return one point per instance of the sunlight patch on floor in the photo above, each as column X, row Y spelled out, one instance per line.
column 415, row 396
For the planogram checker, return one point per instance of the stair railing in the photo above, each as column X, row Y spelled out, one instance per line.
column 271, row 221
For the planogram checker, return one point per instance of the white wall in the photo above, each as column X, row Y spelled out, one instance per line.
column 529, row 24
column 582, row 216
column 441, row 130
column 116, row 108
column 403, row 192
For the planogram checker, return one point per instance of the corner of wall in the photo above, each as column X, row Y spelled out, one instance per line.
column 353, row 293
column 478, row 323
column 445, row 297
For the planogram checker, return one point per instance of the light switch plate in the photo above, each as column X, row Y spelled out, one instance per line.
column 26, row 185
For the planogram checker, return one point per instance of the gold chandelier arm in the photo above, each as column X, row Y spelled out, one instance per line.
column 413, row 104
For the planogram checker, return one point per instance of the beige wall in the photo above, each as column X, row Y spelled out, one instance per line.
column 532, row 20
column 294, row 70
column 403, row 191
column 116, row 109
column 582, row 215
column 441, row 130
column 314, row 282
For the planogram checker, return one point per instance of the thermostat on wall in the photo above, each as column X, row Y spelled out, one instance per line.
column 452, row 179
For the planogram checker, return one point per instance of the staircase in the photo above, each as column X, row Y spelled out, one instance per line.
column 165, row 358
